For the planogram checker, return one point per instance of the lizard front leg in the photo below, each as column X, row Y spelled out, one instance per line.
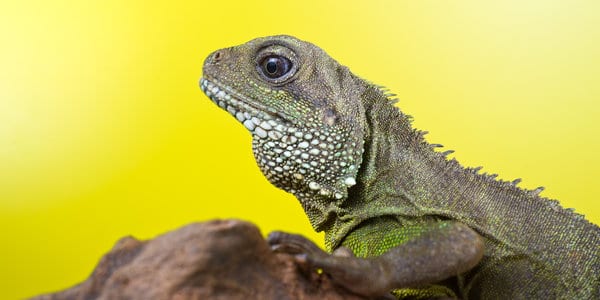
column 439, row 251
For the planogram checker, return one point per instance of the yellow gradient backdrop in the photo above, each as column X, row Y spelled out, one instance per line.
column 105, row 133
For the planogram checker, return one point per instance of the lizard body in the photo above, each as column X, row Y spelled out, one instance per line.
column 376, row 187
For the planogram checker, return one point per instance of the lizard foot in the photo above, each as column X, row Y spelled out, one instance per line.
column 355, row 274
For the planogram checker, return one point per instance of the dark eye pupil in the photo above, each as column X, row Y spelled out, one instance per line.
column 271, row 66
column 275, row 66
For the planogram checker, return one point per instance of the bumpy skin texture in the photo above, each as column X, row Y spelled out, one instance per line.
column 414, row 221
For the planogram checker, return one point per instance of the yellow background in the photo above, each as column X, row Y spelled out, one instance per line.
column 105, row 133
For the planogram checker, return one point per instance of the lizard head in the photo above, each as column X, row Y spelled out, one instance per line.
column 302, row 108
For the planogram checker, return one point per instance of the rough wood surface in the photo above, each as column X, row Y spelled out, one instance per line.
column 222, row 259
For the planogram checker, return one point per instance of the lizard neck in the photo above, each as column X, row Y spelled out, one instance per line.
column 398, row 163
column 394, row 150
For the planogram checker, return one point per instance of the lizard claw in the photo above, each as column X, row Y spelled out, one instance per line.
column 293, row 244
column 306, row 253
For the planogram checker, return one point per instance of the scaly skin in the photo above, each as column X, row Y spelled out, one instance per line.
column 415, row 222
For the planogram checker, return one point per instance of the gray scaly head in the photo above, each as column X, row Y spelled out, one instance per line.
column 306, row 140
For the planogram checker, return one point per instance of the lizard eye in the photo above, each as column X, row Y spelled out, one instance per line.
column 275, row 66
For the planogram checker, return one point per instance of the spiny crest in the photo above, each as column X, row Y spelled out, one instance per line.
column 534, row 193
column 456, row 166
column 391, row 97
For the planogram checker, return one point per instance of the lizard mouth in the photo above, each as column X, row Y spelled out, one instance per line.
column 256, row 119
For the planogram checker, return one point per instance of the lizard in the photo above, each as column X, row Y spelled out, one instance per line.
column 399, row 216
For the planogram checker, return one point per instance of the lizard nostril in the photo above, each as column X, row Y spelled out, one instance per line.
column 217, row 56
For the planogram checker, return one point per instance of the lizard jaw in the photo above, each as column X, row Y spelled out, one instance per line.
column 294, row 159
